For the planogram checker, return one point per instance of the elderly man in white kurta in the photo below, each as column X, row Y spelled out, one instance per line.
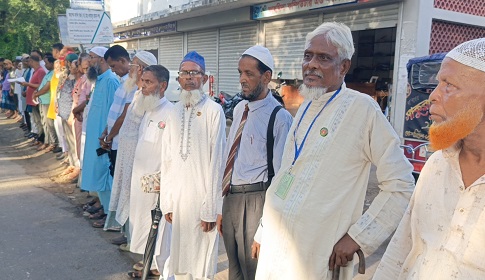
column 312, row 218
column 155, row 109
column 191, row 174
column 442, row 235
column 129, row 135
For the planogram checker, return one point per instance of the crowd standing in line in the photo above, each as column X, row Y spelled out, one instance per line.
column 286, row 195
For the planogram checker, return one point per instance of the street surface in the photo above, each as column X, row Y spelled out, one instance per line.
column 44, row 235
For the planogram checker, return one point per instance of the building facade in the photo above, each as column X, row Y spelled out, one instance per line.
column 387, row 33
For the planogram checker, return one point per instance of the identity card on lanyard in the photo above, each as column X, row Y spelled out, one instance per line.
column 284, row 185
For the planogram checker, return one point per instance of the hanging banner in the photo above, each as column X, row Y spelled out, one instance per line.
column 89, row 27
column 87, row 4
column 285, row 7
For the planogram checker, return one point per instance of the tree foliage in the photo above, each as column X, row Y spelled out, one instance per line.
column 29, row 24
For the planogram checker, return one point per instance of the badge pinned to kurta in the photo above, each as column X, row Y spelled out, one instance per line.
column 161, row 124
column 199, row 114
column 324, row 131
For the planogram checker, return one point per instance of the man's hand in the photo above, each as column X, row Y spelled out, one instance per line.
column 24, row 93
column 79, row 117
column 219, row 224
column 168, row 217
column 255, row 250
column 343, row 252
column 207, row 226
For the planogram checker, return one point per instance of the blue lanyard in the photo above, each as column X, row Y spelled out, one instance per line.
column 298, row 150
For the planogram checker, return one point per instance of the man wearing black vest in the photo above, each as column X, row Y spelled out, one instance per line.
column 253, row 155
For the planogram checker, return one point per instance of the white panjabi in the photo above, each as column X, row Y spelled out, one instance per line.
column 470, row 53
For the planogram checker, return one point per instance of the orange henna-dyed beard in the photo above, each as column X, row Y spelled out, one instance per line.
column 445, row 134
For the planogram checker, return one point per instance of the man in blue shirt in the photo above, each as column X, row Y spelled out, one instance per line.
column 95, row 170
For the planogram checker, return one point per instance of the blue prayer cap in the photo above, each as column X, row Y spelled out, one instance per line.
column 196, row 58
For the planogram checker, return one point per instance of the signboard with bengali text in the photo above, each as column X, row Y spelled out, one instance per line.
column 89, row 27
column 62, row 22
column 284, row 7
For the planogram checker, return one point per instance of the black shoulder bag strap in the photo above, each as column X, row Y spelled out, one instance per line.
column 270, row 144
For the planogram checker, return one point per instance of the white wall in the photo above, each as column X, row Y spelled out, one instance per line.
column 150, row 6
column 125, row 9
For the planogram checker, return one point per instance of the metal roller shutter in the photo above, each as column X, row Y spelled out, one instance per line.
column 132, row 45
column 233, row 41
column 148, row 44
column 205, row 43
column 373, row 18
column 171, row 51
column 286, row 41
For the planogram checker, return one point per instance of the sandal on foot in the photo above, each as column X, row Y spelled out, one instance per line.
column 94, row 209
column 138, row 274
column 100, row 223
column 97, row 216
column 138, row 266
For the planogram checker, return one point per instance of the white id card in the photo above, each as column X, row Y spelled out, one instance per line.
column 285, row 185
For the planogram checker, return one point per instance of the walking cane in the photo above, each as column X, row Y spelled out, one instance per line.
column 336, row 270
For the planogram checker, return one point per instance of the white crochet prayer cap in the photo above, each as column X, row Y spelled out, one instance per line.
column 471, row 53
column 262, row 54
column 146, row 57
column 99, row 51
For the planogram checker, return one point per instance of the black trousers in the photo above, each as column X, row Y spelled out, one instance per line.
column 27, row 121
column 241, row 213
column 112, row 161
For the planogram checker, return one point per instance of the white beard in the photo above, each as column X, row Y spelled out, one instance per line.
column 190, row 98
column 130, row 83
column 145, row 103
column 312, row 93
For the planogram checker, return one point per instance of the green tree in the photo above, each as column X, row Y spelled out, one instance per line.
column 29, row 24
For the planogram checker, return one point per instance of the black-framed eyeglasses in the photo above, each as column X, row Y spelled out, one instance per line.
column 191, row 73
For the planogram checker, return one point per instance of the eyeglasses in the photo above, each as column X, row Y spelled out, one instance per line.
column 133, row 64
column 94, row 57
column 192, row 73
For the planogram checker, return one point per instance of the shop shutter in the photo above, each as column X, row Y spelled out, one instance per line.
column 286, row 41
column 233, row 41
column 205, row 43
column 369, row 18
column 150, row 44
column 171, row 51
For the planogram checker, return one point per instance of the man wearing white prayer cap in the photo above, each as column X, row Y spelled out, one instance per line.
column 120, row 194
column 248, row 170
column 95, row 174
column 442, row 233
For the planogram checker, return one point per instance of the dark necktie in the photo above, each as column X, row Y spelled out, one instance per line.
column 226, row 181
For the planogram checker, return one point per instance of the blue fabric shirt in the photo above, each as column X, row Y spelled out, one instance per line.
column 251, row 165
column 95, row 175
column 46, row 98
column 121, row 98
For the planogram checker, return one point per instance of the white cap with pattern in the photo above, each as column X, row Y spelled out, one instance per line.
column 262, row 54
column 471, row 53
column 146, row 57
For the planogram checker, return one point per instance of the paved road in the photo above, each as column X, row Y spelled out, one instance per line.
column 43, row 234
